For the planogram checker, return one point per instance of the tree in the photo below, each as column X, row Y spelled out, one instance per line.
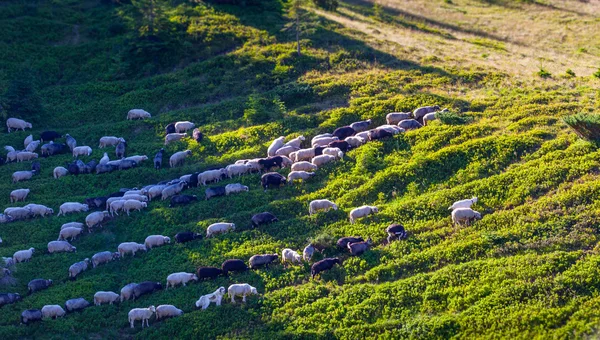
column 297, row 14
column 21, row 98
column 151, row 18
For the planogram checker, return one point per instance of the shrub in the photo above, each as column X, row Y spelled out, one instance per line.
column 570, row 73
column 597, row 73
column 544, row 73
column 585, row 126
column 263, row 108
column 453, row 118
column 330, row 5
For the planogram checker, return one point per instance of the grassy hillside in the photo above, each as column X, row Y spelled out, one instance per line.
column 529, row 268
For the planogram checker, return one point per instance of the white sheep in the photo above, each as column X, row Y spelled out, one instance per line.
column 52, row 311
column 27, row 140
column 26, row 156
column 317, row 205
column 78, row 268
column 39, row 209
column 143, row 314
column 362, row 211
column 156, row 241
column 235, row 188
column 155, row 191
column 184, row 126
column 304, row 166
column 109, row 141
column 322, row 160
column 467, row 203
column 422, row 111
column 104, row 257
column 16, row 123
column 355, row 141
column 69, row 233
column 60, row 171
column 299, row 175
column 429, row 117
column 72, row 225
column 173, row 137
column 210, row 176
column 95, row 219
column 286, row 150
column 242, row 289
column 19, row 176
column 172, row 190
column 237, row 170
column 127, row 291
column 23, row 255
column 82, row 151
column 105, row 297
column 216, row 297
column 291, row 256
column 178, row 158
column 218, row 228
column 130, row 205
column 180, row 278
column 167, row 311
column 60, row 247
column 323, row 135
column 275, row 145
column 137, row 158
column 296, row 142
column 32, row 146
column 11, row 156
column 130, row 248
column 137, row 197
column 335, row 152
column 137, row 114
column 18, row 213
column 323, row 141
column 116, row 206
column 72, row 207
column 394, row 118
column 464, row 215
column 19, row 195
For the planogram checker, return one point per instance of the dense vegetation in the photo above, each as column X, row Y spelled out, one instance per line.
column 528, row 268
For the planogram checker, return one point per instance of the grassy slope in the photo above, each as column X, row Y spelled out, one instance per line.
column 529, row 268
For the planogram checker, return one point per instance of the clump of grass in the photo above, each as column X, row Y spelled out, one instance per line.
column 543, row 73
column 453, row 118
column 597, row 73
column 569, row 73
column 585, row 126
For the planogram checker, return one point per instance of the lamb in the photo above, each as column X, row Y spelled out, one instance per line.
column 37, row 285
column 76, row 304
column 26, row 156
column 323, row 265
column 16, row 123
column 105, row 297
column 304, row 166
column 289, row 255
column 299, row 175
column 257, row 261
column 184, row 126
column 275, row 145
column 172, row 190
column 242, row 289
column 211, row 175
column 39, row 210
column 27, row 141
column 355, row 141
column 130, row 248
column 52, row 311
column 173, row 137
column 31, row 315
column 158, row 159
column 23, row 255
column 467, row 203
column 104, row 257
column 72, row 207
column 335, row 152
column 134, row 205
column 218, row 228
column 109, row 141
column 360, row 126
column 237, row 170
column 322, row 160
column 82, row 151
column 69, row 233
column 127, row 291
column 362, row 211
column 143, row 314
column 317, row 205
column 19, row 195
column 235, row 188
column 304, row 154
column 215, row 297
column 32, row 146
column 60, row 171
column 358, row 248
column 323, row 141
column 156, row 241
column 178, row 158
column 464, row 215
column 395, row 117
column 24, row 175
column 60, row 247
column 308, row 252
column 180, row 278
column 137, row 114
column 167, row 311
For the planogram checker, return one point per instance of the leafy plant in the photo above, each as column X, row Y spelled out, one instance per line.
column 586, row 126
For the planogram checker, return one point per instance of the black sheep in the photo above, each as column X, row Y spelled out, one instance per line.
column 343, row 242
column 197, row 135
column 170, row 128
column 146, row 287
column 263, row 218
column 233, row 266
column 396, row 231
column 31, row 315
column 271, row 179
column 182, row 200
column 340, row 144
column 186, row 236
column 271, row 162
column 38, row 284
column 323, row 265
column 96, row 202
column 49, row 136
column 343, row 132
column 214, row 192
column 208, row 272
column 158, row 158
column 262, row 260
column 9, row 298
column 36, row 167
column 379, row 134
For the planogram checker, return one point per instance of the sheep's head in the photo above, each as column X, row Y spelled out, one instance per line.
column 194, row 277
column 221, row 291
column 152, row 309
column 374, row 209
column 167, row 239
column 253, row 290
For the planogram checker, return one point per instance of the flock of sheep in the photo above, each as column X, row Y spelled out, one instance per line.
column 325, row 148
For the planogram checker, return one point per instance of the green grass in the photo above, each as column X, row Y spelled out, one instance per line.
column 529, row 268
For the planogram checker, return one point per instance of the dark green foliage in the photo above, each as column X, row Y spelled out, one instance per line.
column 261, row 109
column 21, row 98
column 330, row 5
column 586, row 126
column 453, row 118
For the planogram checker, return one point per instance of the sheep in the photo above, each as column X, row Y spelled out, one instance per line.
column 323, row 141
column 304, row 166
column 167, row 311
column 23, row 255
column 208, row 272
column 211, row 175
column 233, row 265
column 275, row 145
column 38, row 284
column 158, row 159
column 137, row 114
column 173, row 137
column 96, row 219
column 31, row 315
column 143, row 314
column 235, row 188
column 358, row 248
column 355, row 141
column 27, row 141
column 18, row 213
column 72, row 143
column 82, row 151
column 109, row 141
column 134, row 205
column 135, row 192
column 262, row 260
column 323, row 135
column 343, row 132
column 187, row 236
column 26, row 156
column 120, row 149
column 155, row 191
column 184, row 126
column 465, row 215
column 170, row 128
column 178, row 158
column 322, row 160
column 394, row 118
column 39, row 210
column 60, row 247
column 467, row 203
column 242, row 289
column 127, row 291
column 76, row 304
column 104, row 257
column 303, row 155
column 156, row 241
column 197, row 135
column 299, row 175
column 218, row 228
column 59, row 172
column 69, row 233
column 360, row 126
column 32, row 146
column 146, row 287
column 72, row 207
column 172, row 190
column 395, row 231
column 362, row 211
column 8, row 261
column 115, row 206
column 5, row 219
column 105, row 297
column 308, row 252
column 15, row 123
column 180, row 278
column 286, row 150
column 10, row 298
column 19, row 195
column 216, row 297
column 429, row 117
column 24, row 175
column 291, row 256
column 335, row 152
column 422, row 111
column 323, row 265
column 237, row 170
column 263, row 218
column 317, row 205
column 77, row 225
column 52, row 311
column 130, row 248
column 409, row 124
column 137, row 158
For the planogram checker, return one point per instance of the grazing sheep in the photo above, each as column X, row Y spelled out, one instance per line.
column 291, row 256
column 235, row 188
column 104, row 257
column 187, row 236
column 109, row 141
column 335, row 152
column 197, row 135
column 5, row 219
column 467, row 203
column 237, row 170
column 242, row 289
column 26, row 156
column 60, row 247
column 156, row 241
column 130, row 205
column 317, row 205
column 344, row 132
column 303, row 155
column 429, row 117
column 233, row 266
column 180, row 278
column 214, row 192
column 137, row 114
column 275, row 145
column 72, row 144
column 77, row 225
column 158, row 159
column 272, row 179
column 19, row 195
column 52, row 311
column 73, row 305
column 257, row 261
column 323, row 265
column 322, row 160
column 464, row 215
column 410, row 124
column 215, row 297
column 130, row 248
column 422, row 111
column 60, row 171
column 23, row 255
column 96, row 219
column 120, row 150
column 137, row 158
column 143, row 314
column 170, row 128
column 323, row 141
column 24, row 175
column 355, row 141
column 16, row 123
column 167, row 311
column 31, row 315
column 208, row 273
column 379, row 134
column 69, row 233
column 9, row 298
column 105, row 297
column 342, row 243
column 358, row 248
column 8, row 261
column 39, row 210
column 362, row 211
column 115, row 206
column 304, row 166
column 32, row 146
column 308, row 252
column 146, row 287
column 178, row 158
column 173, row 137
column 183, row 126
column 27, row 141
column 127, row 291
column 219, row 228
column 211, row 176
column 360, row 126
column 18, row 213
column 263, row 218
column 38, row 284
column 394, row 118
column 172, row 190
column 72, row 207
column 82, row 151
column 286, row 150
column 271, row 162
column 299, row 175
column 396, row 231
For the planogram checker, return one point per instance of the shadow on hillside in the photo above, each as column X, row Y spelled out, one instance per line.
column 514, row 5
